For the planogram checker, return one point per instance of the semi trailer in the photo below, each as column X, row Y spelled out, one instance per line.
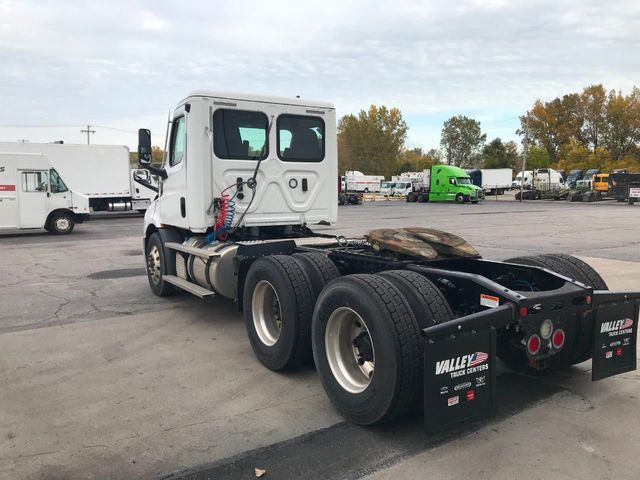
column 101, row 172
column 493, row 181
column 399, row 318
column 33, row 195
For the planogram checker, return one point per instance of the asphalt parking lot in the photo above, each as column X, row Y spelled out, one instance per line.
column 100, row 379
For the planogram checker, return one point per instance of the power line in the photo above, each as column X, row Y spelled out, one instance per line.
column 88, row 131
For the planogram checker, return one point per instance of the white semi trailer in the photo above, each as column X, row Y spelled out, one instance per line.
column 33, row 195
column 403, row 316
column 101, row 172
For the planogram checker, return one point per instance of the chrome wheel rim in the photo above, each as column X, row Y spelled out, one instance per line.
column 153, row 264
column 350, row 350
column 62, row 224
column 266, row 312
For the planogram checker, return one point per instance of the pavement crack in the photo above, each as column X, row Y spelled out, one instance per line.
column 28, row 455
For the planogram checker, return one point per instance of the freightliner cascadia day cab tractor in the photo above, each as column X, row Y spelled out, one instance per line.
column 400, row 317
column 445, row 183
column 33, row 195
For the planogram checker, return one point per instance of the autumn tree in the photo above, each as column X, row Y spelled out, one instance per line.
column 461, row 140
column 372, row 141
column 417, row 159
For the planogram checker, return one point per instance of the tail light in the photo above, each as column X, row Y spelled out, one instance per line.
column 533, row 344
column 558, row 338
column 588, row 299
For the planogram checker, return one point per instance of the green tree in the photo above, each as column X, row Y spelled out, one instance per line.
column 372, row 141
column 461, row 140
column 537, row 157
column 497, row 154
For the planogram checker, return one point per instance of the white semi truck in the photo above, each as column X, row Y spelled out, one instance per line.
column 33, row 195
column 101, row 172
column 403, row 316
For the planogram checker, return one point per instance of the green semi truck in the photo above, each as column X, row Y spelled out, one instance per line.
column 445, row 183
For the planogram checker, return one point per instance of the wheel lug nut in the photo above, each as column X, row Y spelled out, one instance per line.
column 360, row 361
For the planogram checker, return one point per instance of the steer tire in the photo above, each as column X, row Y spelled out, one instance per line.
column 61, row 223
column 319, row 269
column 427, row 303
column 393, row 386
column 156, row 266
column 459, row 198
column 278, row 305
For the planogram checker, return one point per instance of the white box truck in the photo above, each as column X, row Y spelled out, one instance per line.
column 34, row 195
column 101, row 172
column 493, row 181
column 356, row 181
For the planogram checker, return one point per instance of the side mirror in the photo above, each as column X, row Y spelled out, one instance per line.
column 144, row 146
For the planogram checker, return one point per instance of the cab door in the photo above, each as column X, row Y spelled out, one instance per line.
column 32, row 198
column 172, row 202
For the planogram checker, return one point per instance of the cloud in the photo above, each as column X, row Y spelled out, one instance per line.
column 121, row 63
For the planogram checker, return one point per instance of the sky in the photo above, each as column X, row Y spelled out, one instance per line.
column 122, row 65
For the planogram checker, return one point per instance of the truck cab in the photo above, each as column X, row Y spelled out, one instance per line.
column 33, row 195
column 449, row 183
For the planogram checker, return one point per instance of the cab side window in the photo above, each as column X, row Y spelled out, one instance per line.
column 178, row 141
column 35, row 181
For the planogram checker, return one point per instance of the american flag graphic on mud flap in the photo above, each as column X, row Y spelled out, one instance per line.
column 478, row 358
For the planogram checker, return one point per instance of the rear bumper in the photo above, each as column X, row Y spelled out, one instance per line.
column 460, row 355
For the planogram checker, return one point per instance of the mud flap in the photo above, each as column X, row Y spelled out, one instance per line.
column 459, row 377
column 615, row 333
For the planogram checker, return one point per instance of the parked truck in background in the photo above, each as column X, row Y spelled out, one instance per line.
column 34, row 195
column 400, row 317
column 356, row 181
column 523, row 179
column 493, row 181
column 101, row 172
column 573, row 177
column 620, row 184
column 444, row 183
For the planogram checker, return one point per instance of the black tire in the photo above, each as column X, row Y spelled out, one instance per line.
column 292, row 307
column 319, row 269
column 411, row 197
column 574, row 268
column 421, row 198
column 156, row 266
column 61, row 223
column 393, row 387
column 427, row 303
column 459, row 198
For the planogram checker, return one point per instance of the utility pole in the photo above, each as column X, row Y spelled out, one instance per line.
column 525, row 144
column 23, row 140
column 88, row 131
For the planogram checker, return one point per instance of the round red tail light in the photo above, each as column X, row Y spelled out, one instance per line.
column 523, row 312
column 533, row 344
column 558, row 338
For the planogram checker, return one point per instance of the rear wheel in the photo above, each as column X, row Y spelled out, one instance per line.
column 278, row 305
column 427, row 303
column 411, row 197
column 366, row 347
column 318, row 268
column 574, row 268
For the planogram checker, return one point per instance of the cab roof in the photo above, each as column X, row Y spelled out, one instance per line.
column 303, row 102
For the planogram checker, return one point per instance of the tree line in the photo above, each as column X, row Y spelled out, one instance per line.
column 591, row 129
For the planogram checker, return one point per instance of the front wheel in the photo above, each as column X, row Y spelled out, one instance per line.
column 157, row 267
column 366, row 347
column 61, row 223
column 459, row 198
